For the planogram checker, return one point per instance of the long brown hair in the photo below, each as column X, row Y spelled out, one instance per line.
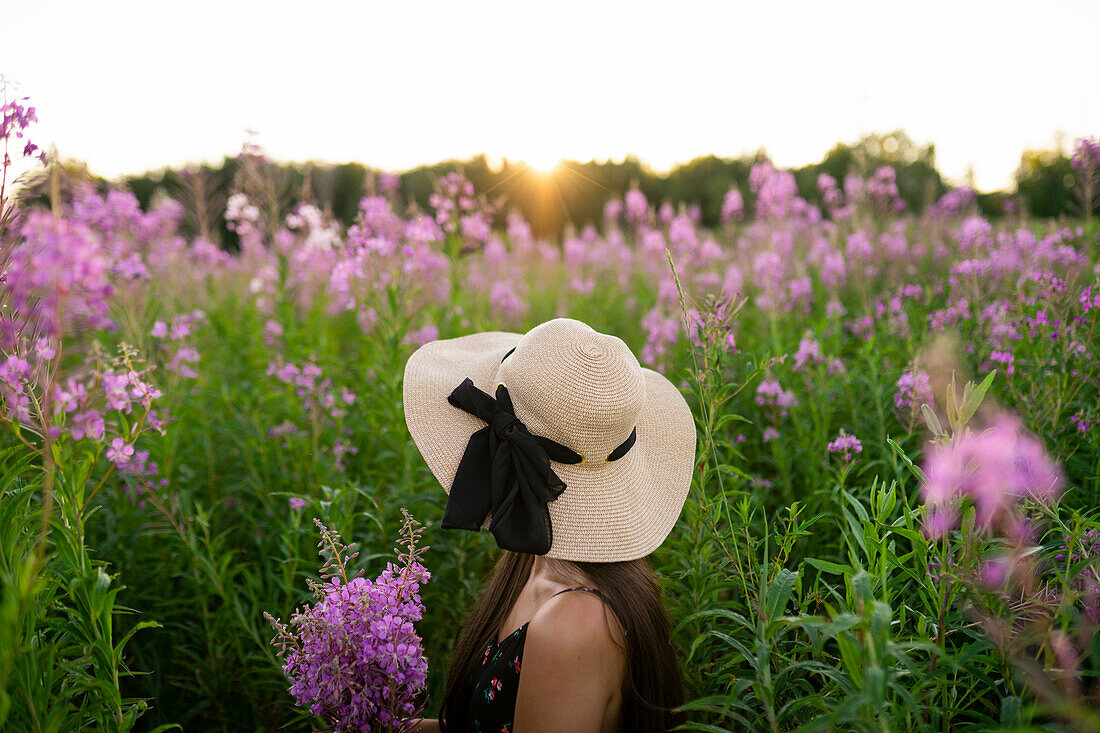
column 652, row 686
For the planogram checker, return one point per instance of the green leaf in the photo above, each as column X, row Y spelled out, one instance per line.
column 932, row 421
column 1010, row 710
column 827, row 566
column 779, row 593
column 975, row 396
column 900, row 452
column 861, row 587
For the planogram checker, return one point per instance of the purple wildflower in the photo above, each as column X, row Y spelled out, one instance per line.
column 808, row 354
column 1006, row 359
column 846, row 445
column 914, row 390
column 87, row 424
column 769, row 393
column 733, row 206
column 1090, row 299
column 422, row 336
column 637, row 208
column 120, row 453
column 354, row 657
column 1086, row 154
column 613, row 209
column 994, row 469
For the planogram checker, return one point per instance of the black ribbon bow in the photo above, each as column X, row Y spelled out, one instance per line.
column 505, row 470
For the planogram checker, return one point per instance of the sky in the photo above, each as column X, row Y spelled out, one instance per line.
column 134, row 86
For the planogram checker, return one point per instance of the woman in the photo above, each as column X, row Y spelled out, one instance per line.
column 578, row 461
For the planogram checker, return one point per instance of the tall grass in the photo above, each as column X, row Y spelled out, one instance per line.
column 806, row 591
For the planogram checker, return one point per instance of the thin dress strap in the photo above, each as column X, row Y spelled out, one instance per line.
column 591, row 590
column 580, row 587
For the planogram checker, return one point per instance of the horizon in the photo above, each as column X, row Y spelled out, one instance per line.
column 1059, row 143
column 395, row 88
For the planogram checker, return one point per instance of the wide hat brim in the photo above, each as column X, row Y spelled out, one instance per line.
column 614, row 512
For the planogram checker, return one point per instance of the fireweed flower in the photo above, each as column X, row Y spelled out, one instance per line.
column 636, row 205
column 1090, row 299
column 993, row 470
column 70, row 397
column 422, row 336
column 975, row 232
column 776, row 191
column 882, row 189
column 808, row 354
column 120, row 453
column 847, row 446
column 87, row 424
column 733, row 206
column 769, row 393
column 914, row 390
column 454, row 202
column 830, row 192
column 1006, row 359
column 1080, row 423
column 1086, row 154
column 476, row 227
column 354, row 657
column 953, row 203
column 662, row 331
column 241, row 216
column 612, row 210
column 15, row 118
column 713, row 326
column 389, row 182
column 58, row 276
column 183, row 357
column 665, row 213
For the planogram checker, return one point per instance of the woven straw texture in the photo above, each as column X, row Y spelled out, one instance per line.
column 586, row 391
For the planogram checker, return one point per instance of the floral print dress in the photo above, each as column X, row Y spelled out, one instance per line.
column 495, row 681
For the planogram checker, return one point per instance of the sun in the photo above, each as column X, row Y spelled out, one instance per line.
column 543, row 163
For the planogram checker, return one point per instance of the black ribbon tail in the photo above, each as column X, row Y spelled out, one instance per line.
column 522, row 524
column 468, row 503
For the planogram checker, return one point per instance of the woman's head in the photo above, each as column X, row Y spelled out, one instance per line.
column 573, row 449
column 652, row 687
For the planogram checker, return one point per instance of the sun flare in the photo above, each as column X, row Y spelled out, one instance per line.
column 544, row 163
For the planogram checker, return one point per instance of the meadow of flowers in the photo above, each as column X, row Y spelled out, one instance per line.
column 893, row 525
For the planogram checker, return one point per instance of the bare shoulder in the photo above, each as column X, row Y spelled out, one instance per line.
column 574, row 648
column 576, row 619
column 576, row 624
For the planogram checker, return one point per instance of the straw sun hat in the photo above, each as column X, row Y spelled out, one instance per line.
column 557, row 441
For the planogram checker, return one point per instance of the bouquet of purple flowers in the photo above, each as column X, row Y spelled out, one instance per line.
column 354, row 657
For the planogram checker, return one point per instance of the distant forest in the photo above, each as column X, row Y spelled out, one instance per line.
column 576, row 192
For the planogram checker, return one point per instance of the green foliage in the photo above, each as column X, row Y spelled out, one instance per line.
column 62, row 660
column 1044, row 181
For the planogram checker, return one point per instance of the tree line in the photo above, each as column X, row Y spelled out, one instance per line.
column 575, row 193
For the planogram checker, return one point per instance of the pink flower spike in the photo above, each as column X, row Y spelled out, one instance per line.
column 44, row 350
column 120, row 453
